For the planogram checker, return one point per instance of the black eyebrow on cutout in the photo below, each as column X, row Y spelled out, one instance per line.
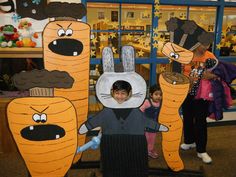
column 69, row 25
column 180, row 51
column 60, row 25
column 39, row 111
column 172, row 47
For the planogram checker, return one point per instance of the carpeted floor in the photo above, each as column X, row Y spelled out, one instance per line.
column 221, row 147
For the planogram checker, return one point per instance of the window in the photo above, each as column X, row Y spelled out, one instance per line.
column 227, row 45
column 204, row 16
column 133, row 28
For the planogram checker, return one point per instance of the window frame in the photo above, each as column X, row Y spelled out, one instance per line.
column 153, row 60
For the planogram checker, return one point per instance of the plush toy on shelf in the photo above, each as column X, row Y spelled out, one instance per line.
column 8, row 36
column 26, row 35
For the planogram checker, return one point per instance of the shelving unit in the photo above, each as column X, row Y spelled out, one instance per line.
column 23, row 52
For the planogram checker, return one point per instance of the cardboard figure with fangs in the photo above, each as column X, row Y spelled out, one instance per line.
column 44, row 126
column 66, row 47
column 123, row 143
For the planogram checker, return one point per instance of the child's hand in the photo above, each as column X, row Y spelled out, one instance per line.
column 163, row 128
column 83, row 129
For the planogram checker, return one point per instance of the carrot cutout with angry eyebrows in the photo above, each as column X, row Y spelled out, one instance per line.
column 66, row 47
column 175, row 88
column 44, row 127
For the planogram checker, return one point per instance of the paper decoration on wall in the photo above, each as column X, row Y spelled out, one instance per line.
column 103, row 37
column 66, row 47
column 105, row 21
column 16, row 18
column 128, row 37
column 114, row 25
column 171, row 84
column 44, row 127
column 155, row 45
column 140, row 53
column 92, row 53
column 112, row 35
column 31, row 8
column 94, row 41
column 114, row 50
column 157, row 8
column 234, row 38
column 7, row 6
column 228, row 39
column 234, row 48
column 185, row 36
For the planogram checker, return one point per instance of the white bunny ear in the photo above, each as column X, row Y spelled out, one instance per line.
column 107, row 60
column 128, row 58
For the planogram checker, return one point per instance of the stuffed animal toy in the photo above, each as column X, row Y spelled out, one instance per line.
column 8, row 36
column 26, row 35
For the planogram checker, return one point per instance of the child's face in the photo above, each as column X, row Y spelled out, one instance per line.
column 156, row 96
column 120, row 95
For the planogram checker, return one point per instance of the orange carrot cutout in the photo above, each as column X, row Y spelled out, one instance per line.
column 175, row 88
column 66, row 46
column 44, row 127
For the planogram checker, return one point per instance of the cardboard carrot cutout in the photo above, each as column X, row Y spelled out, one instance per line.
column 66, row 47
column 44, row 127
column 175, row 88
column 185, row 37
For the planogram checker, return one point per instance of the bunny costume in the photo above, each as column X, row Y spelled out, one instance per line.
column 123, row 143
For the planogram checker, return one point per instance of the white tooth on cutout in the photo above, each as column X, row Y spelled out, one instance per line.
column 31, row 127
column 57, row 136
column 75, row 53
column 54, row 42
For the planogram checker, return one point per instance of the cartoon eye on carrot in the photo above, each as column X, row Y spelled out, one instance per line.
column 44, row 127
column 66, row 47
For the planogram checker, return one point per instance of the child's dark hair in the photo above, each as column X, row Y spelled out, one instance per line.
column 121, row 85
column 154, row 88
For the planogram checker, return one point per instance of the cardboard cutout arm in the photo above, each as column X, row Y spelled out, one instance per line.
column 83, row 129
column 155, row 126
column 93, row 144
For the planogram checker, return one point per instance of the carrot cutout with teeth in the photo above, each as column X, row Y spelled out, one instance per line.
column 175, row 87
column 66, row 47
column 44, row 127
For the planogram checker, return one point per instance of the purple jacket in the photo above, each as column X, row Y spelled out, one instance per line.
column 226, row 72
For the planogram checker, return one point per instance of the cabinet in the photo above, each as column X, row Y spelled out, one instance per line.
column 23, row 52
column 7, row 143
